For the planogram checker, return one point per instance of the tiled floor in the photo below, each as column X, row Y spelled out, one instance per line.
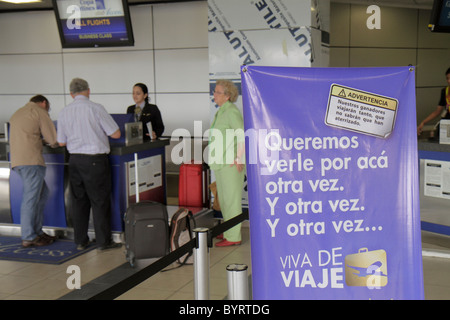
column 24, row 281
column 20, row 280
column 436, row 266
column 178, row 284
column 32, row 281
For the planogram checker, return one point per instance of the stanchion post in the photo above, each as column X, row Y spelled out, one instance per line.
column 237, row 282
column 201, row 265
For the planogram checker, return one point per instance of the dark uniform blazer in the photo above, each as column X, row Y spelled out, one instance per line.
column 150, row 113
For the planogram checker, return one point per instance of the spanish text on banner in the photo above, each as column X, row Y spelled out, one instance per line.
column 333, row 204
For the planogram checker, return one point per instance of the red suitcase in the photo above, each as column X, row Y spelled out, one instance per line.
column 193, row 185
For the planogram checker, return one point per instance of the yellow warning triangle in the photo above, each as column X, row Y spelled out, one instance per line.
column 342, row 93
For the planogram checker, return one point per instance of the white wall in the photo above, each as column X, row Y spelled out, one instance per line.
column 170, row 55
column 403, row 39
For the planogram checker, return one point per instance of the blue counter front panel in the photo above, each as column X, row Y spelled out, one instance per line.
column 57, row 210
column 434, row 209
column 119, row 196
column 54, row 212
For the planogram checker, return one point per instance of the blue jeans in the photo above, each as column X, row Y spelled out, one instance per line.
column 35, row 195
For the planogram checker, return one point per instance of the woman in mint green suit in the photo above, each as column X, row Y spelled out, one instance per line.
column 227, row 157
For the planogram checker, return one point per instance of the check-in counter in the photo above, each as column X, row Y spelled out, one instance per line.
column 434, row 164
column 152, row 176
column 152, row 182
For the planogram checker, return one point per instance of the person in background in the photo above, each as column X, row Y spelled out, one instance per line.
column 146, row 112
column 443, row 105
column 84, row 127
column 226, row 157
column 28, row 126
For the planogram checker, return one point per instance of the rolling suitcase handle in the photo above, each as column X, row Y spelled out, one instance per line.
column 130, row 255
column 136, row 179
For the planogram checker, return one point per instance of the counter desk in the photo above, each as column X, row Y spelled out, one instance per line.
column 434, row 164
column 152, row 183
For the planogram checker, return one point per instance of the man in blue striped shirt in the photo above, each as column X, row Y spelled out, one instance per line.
column 83, row 128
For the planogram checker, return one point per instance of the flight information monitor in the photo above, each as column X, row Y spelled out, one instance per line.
column 93, row 23
column 440, row 16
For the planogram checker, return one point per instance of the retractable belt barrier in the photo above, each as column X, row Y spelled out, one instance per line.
column 139, row 276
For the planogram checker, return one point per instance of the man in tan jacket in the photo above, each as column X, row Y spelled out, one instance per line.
column 28, row 126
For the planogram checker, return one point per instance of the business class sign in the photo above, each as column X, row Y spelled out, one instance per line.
column 333, row 184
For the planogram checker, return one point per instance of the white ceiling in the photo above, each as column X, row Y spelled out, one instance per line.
column 47, row 4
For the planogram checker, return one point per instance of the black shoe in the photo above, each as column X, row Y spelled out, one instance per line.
column 48, row 237
column 83, row 246
column 36, row 242
column 111, row 245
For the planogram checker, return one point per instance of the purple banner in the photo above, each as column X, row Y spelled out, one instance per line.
column 332, row 173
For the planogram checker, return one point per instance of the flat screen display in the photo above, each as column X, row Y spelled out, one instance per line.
column 93, row 23
column 440, row 16
column 444, row 19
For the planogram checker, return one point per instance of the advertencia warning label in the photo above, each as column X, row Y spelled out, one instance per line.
column 361, row 111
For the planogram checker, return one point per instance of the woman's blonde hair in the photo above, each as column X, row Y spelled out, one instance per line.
column 230, row 89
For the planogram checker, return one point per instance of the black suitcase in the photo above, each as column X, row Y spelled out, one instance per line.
column 146, row 227
column 146, row 231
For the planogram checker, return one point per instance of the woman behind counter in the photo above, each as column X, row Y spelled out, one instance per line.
column 228, row 161
column 146, row 112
